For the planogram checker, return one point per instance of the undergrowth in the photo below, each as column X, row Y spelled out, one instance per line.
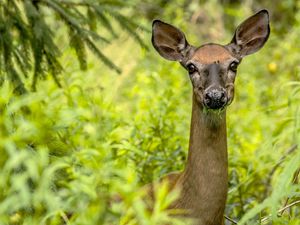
column 68, row 155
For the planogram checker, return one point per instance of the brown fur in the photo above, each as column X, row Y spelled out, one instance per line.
column 211, row 53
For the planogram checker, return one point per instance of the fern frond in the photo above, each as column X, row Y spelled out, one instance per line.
column 104, row 21
column 100, row 55
column 27, row 35
column 77, row 43
column 54, row 66
column 129, row 27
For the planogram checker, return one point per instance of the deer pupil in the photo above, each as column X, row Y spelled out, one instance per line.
column 191, row 68
column 233, row 66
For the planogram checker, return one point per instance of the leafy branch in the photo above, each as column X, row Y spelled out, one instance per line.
column 27, row 39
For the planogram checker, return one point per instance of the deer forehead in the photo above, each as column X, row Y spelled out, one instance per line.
column 211, row 53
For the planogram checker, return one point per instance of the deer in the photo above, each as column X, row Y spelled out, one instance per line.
column 212, row 70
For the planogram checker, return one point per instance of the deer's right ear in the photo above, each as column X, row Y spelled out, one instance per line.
column 169, row 41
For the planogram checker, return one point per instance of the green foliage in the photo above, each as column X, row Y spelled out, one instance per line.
column 60, row 161
column 27, row 35
column 69, row 155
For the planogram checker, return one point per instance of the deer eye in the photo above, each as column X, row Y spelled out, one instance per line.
column 233, row 66
column 191, row 68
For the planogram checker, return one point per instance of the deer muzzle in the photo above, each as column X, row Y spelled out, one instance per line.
column 215, row 98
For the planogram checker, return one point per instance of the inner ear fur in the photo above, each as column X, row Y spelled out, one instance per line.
column 169, row 41
column 251, row 35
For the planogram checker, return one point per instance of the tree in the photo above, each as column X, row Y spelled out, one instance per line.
column 27, row 37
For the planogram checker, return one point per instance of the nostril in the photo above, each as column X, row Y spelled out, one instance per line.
column 207, row 95
column 222, row 94
column 223, row 97
column 208, row 98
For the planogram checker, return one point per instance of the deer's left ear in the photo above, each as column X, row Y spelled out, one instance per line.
column 251, row 35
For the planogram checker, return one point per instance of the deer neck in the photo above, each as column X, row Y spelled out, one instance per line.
column 204, row 181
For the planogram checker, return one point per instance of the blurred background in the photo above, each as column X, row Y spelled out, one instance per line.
column 90, row 111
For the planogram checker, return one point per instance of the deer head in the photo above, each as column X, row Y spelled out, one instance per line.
column 212, row 67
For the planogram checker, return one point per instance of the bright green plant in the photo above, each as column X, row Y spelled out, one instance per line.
column 81, row 154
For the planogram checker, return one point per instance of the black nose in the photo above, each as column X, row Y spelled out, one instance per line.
column 215, row 99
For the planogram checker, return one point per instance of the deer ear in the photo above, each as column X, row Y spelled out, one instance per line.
column 251, row 35
column 169, row 41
